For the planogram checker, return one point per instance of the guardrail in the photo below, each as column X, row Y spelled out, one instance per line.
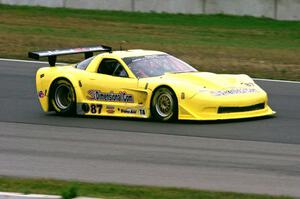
column 276, row 9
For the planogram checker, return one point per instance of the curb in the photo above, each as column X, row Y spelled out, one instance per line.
column 8, row 195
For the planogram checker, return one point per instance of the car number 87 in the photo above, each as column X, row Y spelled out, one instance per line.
column 96, row 108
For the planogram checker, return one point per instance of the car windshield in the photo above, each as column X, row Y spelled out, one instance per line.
column 156, row 65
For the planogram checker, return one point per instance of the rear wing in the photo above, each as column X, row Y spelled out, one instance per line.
column 52, row 54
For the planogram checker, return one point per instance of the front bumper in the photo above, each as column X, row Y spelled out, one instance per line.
column 223, row 108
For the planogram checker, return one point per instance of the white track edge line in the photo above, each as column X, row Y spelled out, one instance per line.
column 277, row 80
column 7, row 195
column 27, row 61
column 45, row 62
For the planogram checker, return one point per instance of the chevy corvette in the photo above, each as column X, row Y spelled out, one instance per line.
column 144, row 84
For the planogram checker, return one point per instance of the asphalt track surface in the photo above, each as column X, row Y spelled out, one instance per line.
column 253, row 155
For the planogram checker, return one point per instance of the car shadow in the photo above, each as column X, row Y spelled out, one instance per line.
column 149, row 120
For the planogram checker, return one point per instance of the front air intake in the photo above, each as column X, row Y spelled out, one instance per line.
column 241, row 109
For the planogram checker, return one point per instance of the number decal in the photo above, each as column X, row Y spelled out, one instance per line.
column 96, row 108
column 99, row 106
column 93, row 108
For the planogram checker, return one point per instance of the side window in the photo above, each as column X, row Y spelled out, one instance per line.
column 83, row 65
column 112, row 67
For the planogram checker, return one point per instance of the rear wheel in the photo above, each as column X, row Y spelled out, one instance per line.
column 164, row 105
column 63, row 97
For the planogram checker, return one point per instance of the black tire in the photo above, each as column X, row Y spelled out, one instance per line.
column 164, row 106
column 63, row 97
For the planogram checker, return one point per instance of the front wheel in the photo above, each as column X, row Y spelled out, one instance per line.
column 63, row 98
column 164, row 105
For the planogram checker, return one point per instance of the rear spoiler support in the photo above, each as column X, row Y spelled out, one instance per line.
column 52, row 54
column 52, row 60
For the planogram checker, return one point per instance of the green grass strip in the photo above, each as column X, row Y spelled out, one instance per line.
column 259, row 47
column 114, row 191
column 219, row 20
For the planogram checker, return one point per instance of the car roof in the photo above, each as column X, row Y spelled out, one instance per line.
column 132, row 53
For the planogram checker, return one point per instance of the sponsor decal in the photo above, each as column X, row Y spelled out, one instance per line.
column 234, row 91
column 110, row 97
column 41, row 94
column 142, row 112
column 110, row 109
column 129, row 111
column 248, row 84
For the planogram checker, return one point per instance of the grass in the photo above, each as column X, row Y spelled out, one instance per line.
column 70, row 189
column 259, row 47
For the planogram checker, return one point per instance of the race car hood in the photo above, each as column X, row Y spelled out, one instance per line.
column 208, row 80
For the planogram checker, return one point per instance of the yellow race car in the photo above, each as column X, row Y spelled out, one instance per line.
column 144, row 84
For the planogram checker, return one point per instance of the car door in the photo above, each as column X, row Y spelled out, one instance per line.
column 113, row 91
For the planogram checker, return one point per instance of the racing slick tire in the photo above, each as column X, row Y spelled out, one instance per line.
column 164, row 106
column 63, row 97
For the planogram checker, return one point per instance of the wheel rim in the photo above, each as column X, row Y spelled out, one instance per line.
column 164, row 105
column 63, row 96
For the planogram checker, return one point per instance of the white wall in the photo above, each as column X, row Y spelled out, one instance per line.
column 47, row 3
column 288, row 9
column 277, row 9
column 125, row 5
column 170, row 6
column 241, row 7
